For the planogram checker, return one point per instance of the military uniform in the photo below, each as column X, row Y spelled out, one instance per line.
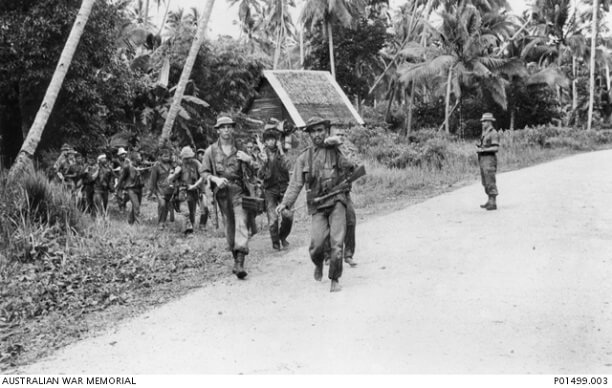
column 130, row 180
column 274, row 172
column 161, row 188
column 189, row 174
column 102, row 178
column 321, row 168
column 487, row 160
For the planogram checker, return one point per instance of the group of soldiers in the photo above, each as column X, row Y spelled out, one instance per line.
column 225, row 172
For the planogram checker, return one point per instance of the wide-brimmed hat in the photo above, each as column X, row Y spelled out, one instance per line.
column 187, row 152
column 200, row 151
column 487, row 117
column 271, row 132
column 224, row 120
column 67, row 147
column 121, row 151
column 314, row 121
column 101, row 157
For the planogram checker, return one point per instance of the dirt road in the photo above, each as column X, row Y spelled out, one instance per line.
column 441, row 287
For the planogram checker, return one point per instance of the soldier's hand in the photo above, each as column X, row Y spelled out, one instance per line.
column 244, row 157
column 220, row 182
column 192, row 187
column 263, row 156
column 280, row 208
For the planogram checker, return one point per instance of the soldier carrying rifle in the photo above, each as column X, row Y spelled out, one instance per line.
column 323, row 170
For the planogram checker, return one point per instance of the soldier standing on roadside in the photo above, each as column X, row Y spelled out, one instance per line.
column 202, row 201
column 321, row 168
column 223, row 167
column 274, row 172
column 487, row 159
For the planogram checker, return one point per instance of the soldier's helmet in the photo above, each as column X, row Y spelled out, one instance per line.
column 487, row 117
column 314, row 121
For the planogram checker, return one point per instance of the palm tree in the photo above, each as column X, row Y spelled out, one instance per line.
column 180, row 88
column 463, row 57
column 278, row 21
column 594, row 32
column 28, row 148
column 328, row 12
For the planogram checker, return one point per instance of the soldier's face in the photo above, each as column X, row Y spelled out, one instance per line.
column 166, row 157
column 486, row 125
column 270, row 141
column 318, row 134
column 226, row 131
column 249, row 148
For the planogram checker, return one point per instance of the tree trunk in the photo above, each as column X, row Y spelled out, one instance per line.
column 277, row 50
column 592, row 67
column 447, row 102
column 512, row 118
column 146, row 14
column 302, row 47
column 408, row 127
column 28, row 148
column 330, row 37
column 163, row 22
column 574, row 86
column 180, row 88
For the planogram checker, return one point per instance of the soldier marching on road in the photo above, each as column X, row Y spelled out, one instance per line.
column 188, row 176
column 160, row 186
column 321, row 169
column 274, row 172
column 487, row 159
column 223, row 166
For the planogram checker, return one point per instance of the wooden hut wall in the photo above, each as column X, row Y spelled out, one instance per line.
column 267, row 105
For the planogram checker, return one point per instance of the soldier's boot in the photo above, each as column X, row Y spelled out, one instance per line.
column 488, row 203
column 350, row 261
column 239, row 266
column 204, row 218
column 318, row 272
column 335, row 286
column 492, row 205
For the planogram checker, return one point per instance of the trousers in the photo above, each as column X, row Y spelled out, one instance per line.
column 278, row 232
column 234, row 219
column 488, row 168
column 328, row 223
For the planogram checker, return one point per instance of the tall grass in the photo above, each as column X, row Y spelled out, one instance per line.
column 428, row 161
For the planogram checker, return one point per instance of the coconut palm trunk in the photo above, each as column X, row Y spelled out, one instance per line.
column 447, row 102
column 332, row 63
column 180, row 88
column 592, row 65
column 28, row 148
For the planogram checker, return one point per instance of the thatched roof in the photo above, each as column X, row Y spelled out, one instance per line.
column 307, row 93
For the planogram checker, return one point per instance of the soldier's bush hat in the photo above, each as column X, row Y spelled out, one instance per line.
column 314, row 121
column 200, row 151
column 101, row 157
column 271, row 132
column 487, row 117
column 224, row 120
column 187, row 152
column 67, row 147
column 121, row 151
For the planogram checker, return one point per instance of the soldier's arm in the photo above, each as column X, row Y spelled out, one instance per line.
column 491, row 142
column 295, row 185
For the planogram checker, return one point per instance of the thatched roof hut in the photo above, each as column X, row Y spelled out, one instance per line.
column 297, row 95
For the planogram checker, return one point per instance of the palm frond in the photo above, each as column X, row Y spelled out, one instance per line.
column 550, row 76
column 419, row 72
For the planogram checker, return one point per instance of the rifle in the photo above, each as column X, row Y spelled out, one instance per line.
column 342, row 186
